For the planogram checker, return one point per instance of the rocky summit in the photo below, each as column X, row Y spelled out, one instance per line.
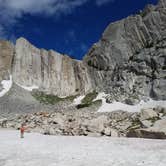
column 129, row 61
column 128, row 64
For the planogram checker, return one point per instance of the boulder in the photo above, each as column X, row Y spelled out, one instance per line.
column 146, row 123
column 160, row 125
column 157, row 131
column 98, row 124
column 148, row 114
column 94, row 134
column 58, row 119
column 160, row 110
column 107, row 131
column 146, row 133
column 3, row 123
column 114, row 133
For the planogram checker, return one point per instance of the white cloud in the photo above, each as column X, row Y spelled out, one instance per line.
column 12, row 10
column 16, row 8
column 103, row 2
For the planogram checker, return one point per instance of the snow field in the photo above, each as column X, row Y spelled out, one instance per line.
column 6, row 84
column 106, row 107
column 40, row 150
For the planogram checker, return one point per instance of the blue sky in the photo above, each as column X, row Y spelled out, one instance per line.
column 67, row 26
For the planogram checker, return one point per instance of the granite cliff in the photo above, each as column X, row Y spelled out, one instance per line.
column 52, row 72
column 128, row 62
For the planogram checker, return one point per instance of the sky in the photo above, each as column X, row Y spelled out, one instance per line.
column 68, row 26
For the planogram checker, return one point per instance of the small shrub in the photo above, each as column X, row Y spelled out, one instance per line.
column 79, row 106
column 154, row 119
column 97, row 102
column 89, row 97
column 50, row 99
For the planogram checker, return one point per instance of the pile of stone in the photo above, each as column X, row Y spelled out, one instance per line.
column 152, row 124
column 73, row 123
column 149, row 123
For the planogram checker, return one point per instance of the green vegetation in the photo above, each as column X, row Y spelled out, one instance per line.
column 50, row 99
column 142, row 13
column 136, row 124
column 82, row 105
column 79, row 106
column 88, row 99
column 154, row 119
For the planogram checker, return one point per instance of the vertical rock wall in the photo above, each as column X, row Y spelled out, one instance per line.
column 129, row 61
column 52, row 72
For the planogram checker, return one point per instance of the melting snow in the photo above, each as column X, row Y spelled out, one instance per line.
column 40, row 150
column 106, row 107
column 78, row 100
column 29, row 88
column 6, row 84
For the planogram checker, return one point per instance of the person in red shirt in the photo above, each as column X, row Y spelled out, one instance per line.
column 22, row 130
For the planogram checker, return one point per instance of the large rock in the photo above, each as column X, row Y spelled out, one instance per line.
column 146, row 123
column 97, row 125
column 157, row 131
column 148, row 114
column 146, row 133
column 160, row 125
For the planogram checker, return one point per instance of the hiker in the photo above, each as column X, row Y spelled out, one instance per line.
column 22, row 130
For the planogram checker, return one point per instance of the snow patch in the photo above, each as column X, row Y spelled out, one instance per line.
column 6, row 84
column 36, row 149
column 78, row 100
column 28, row 88
column 115, row 106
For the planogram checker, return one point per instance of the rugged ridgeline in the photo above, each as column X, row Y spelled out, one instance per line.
column 129, row 63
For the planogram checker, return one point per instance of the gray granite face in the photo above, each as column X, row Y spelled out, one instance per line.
column 52, row 72
column 129, row 61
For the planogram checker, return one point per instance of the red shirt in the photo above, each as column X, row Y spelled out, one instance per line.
column 22, row 129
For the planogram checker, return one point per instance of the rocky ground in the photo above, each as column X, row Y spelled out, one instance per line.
column 149, row 123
